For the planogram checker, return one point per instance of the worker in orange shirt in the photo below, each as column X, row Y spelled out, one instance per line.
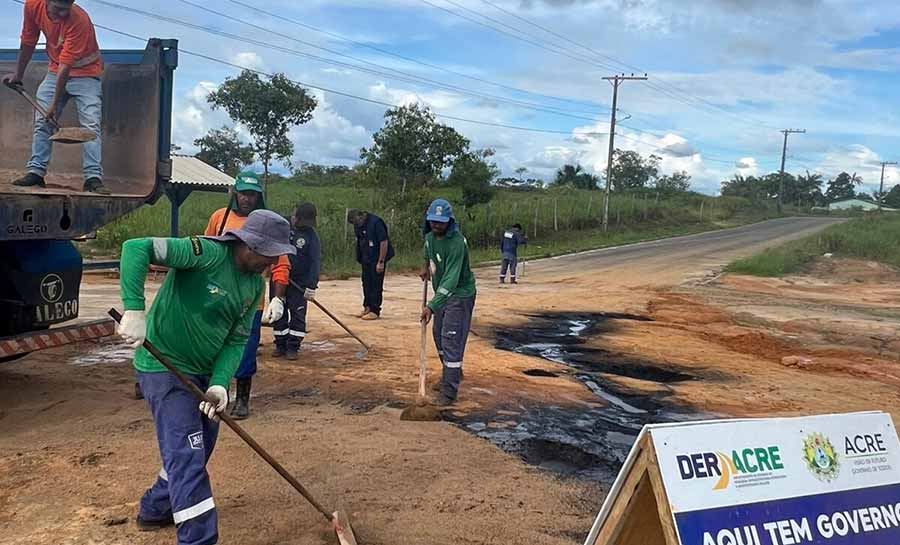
column 248, row 196
column 74, row 72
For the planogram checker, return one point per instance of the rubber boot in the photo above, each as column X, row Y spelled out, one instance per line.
column 241, row 409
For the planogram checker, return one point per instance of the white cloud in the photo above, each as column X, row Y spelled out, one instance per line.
column 248, row 59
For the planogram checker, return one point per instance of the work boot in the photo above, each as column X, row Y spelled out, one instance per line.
column 441, row 400
column 138, row 394
column 95, row 185
column 371, row 316
column 513, row 281
column 436, row 387
column 241, row 409
column 153, row 525
column 292, row 355
column 503, row 281
column 363, row 313
column 278, row 352
column 30, row 180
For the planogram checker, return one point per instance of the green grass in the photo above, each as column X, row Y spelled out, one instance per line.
column 872, row 238
column 565, row 221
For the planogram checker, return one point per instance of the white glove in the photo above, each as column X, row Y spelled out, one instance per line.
column 309, row 294
column 133, row 327
column 274, row 311
column 219, row 397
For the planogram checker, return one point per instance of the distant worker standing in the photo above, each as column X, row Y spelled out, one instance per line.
column 373, row 251
column 509, row 251
column 74, row 73
column 199, row 321
column 447, row 265
column 248, row 197
column 290, row 330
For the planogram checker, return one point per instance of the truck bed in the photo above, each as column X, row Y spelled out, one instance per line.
column 68, row 184
column 135, row 137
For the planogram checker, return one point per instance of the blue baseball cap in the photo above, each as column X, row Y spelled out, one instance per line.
column 440, row 211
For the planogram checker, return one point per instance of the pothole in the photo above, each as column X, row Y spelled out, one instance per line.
column 539, row 373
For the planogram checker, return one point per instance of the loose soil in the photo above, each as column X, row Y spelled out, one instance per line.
column 667, row 339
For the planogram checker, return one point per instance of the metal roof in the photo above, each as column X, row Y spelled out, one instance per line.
column 187, row 170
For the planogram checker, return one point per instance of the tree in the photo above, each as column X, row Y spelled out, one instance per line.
column 575, row 176
column 223, row 149
column 474, row 171
column 809, row 189
column 677, row 182
column 413, row 146
column 843, row 186
column 520, row 172
column 268, row 109
column 631, row 171
column 892, row 197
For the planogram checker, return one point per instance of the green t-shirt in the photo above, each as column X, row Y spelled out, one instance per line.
column 450, row 272
column 202, row 316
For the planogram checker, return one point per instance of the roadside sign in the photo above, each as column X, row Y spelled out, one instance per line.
column 822, row 480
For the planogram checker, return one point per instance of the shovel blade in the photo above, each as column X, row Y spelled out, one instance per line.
column 73, row 135
column 342, row 528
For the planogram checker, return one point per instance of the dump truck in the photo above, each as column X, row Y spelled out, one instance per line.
column 40, row 263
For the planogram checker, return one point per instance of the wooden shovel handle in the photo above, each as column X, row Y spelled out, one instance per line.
column 34, row 103
column 199, row 394
column 423, row 346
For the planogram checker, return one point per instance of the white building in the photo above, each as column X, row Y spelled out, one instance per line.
column 859, row 204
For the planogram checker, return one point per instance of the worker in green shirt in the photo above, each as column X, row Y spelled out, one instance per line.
column 447, row 265
column 200, row 321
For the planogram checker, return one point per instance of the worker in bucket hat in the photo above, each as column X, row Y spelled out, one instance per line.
column 200, row 321
column 447, row 266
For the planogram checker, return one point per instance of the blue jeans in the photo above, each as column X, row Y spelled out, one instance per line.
column 87, row 93
column 247, row 367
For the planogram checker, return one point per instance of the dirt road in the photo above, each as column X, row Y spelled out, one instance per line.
column 615, row 347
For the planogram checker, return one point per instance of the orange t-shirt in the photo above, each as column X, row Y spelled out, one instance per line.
column 70, row 41
column 280, row 271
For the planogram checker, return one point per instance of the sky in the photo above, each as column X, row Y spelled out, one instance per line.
column 724, row 76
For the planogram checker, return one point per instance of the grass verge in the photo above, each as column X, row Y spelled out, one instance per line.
column 874, row 238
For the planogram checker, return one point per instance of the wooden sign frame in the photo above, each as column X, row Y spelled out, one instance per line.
column 636, row 510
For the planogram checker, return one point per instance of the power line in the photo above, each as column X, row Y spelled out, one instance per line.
column 615, row 81
column 410, row 78
column 412, row 59
column 698, row 102
column 344, row 93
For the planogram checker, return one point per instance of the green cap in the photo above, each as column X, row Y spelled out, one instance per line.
column 247, row 181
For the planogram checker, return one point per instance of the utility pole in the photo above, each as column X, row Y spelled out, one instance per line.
column 615, row 81
column 881, row 190
column 783, row 154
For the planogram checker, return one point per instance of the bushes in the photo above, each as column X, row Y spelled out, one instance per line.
column 559, row 215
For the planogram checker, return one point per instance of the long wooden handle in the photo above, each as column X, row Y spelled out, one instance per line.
column 227, row 212
column 423, row 345
column 34, row 103
column 335, row 318
column 198, row 393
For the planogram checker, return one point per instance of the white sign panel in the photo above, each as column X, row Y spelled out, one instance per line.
column 824, row 480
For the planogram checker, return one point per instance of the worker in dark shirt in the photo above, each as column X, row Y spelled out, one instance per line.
column 373, row 251
column 509, row 252
column 290, row 330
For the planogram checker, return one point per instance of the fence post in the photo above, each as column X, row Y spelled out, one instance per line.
column 346, row 223
column 701, row 211
column 646, row 207
column 590, row 202
column 556, row 214
column 535, row 218
column 392, row 219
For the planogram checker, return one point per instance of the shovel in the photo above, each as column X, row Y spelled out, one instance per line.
column 421, row 410
column 337, row 519
column 63, row 135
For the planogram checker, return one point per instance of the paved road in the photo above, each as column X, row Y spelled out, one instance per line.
column 683, row 254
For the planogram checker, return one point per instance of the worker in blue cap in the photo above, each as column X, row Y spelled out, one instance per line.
column 447, row 266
